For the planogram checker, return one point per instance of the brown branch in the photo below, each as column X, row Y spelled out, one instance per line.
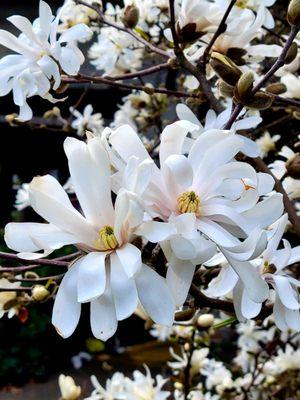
column 221, row 29
column 137, row 74
column 41, row 261
column 126, row 86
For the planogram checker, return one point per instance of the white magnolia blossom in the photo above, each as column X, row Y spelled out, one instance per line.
column 287, row 359
column 141, row 387
column 87, row 121
column 267, row 143
column 72, row 14
column 115, row 52
column 40, row 58
column 111, row 275
column 216, row 196
column 292, row 84
column 271, row 267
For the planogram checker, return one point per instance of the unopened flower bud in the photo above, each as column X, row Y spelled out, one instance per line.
column 149, row 90
column 225, row 89
column 205, row 321
column 39, row 293
column 225, row 68
column 186, row 346
column 173, row 62
column 293, row 14
column 276, row 88
column 68, row 388
column 293, row 166
column 244, row 85
column 260, row 101
column 131, row 16
column 291, row 54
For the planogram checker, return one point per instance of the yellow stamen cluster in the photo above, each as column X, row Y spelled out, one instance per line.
column 268, row 268
column 241, row 3
column 188, row 202
column 107, row 239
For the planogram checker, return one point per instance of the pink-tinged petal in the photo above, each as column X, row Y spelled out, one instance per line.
column 155, row 296
column 49, row 200
column 91, row 277
column 104, row 321
column 123, row 289
column 178, row 174
column 66, row 309
column 131, row 259
column 179, row 278
column 249, row 308
column 90, row 173
column 171, row 142
column 155, row 231
column 126, row 143
column 285, row 292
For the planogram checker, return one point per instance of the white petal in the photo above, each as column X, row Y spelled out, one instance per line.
column 103, row 315
column 91, row 277
column 155, row 231
column 224, row 283
column 183, row 248
column 177, row 173
column 123, row 289
column 46, row 18
column 131, row 259
column 172, row 139
column 286, row 292
column 179, row 278
column 279, row 315
column 49, row 200
column 90, row 173
column 77, row 32
column 155, row 296
column 66, row 309
column 69, row 61
column 249, row 308
column 50, row 69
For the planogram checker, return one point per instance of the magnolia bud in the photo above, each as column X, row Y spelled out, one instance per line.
column 291, row 54
column 293, row 14
column 225, row 89
column 276, row 88
column 293, row 166
column 178, row 385
column 131, row 16
column 173, row 62
column 244, row 85
column 260, row 101
column 39, row 292
column 149, row 90
column 225, row 68
column 68, row 388
column 205, row 321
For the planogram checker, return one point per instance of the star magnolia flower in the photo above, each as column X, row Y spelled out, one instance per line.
column 272, row 269
column 207, row 191
column 39, row 59
column 292, row 83
column 267, row 143
column 110, row 275
column 87, row 121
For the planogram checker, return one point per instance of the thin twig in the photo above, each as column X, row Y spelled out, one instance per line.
column 137, row 74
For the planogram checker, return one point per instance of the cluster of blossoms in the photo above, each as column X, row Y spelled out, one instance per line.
column 171, row 212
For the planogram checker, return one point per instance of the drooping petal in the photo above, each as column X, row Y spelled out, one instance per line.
column 249, row 308
column 155, row 296
column 285, row 292
column 179, row 278
column 224, row 283
column 91, row 276
column 130, row 258
column 123, row 289
column 104, row 321
column 66, row 309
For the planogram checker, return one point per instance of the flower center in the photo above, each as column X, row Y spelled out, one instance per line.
column 268, row 268
column 188, row 202
column 107, row 239
column 241, row 3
